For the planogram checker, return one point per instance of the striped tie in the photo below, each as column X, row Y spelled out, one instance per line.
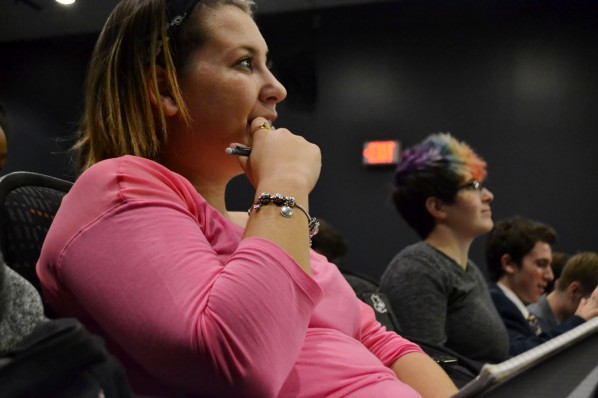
column 534, row 324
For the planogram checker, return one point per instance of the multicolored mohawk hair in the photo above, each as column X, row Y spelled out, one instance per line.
column 442, row 150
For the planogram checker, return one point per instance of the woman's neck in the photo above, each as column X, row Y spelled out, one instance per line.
column 215, row 196
column 451, row 245
column 211, row 186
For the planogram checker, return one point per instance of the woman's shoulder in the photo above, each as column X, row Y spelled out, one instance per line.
column 130, row 177
column 125, row 181
column 419, row 257
column 419, row 251
column 128, row 168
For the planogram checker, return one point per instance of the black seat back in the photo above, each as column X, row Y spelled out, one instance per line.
column 28, row 203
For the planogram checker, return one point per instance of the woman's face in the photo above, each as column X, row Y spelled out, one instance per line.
column 226, row 85
column 470, row 215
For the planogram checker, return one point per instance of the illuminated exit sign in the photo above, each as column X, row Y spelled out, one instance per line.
column 380, row 153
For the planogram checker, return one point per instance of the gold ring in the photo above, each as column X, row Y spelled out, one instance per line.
column 266, row 126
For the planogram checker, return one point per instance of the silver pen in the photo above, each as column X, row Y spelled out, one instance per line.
column 239, row 150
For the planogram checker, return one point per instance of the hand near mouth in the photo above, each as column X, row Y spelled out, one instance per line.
column 279, row 157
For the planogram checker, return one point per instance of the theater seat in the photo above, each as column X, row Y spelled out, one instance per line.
column 28, row 203
column 360, row 284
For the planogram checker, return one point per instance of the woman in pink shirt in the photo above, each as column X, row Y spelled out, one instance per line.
column 196, row 300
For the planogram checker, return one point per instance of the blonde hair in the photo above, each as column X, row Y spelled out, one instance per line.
column 583, row 268
column 119, row 118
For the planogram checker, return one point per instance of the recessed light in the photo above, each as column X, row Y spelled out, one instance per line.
column 65, row 2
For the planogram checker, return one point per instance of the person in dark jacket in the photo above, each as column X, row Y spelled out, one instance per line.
column 518, row 256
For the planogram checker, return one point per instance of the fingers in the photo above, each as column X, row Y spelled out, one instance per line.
column 582, row 302
column 588, row 308
column 279, row 157
column 260, row 123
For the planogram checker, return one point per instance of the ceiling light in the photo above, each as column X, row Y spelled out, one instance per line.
column 65, row 2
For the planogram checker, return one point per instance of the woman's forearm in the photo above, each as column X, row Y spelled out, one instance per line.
column 424, row 375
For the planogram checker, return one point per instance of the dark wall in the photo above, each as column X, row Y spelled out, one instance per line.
column 517, row 80
column 41, row 87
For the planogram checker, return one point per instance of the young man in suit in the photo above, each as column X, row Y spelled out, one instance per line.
column 518, row 256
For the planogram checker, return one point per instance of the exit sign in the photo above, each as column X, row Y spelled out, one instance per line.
column 380, row 153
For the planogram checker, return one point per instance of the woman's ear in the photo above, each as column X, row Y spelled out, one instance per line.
column 164, row 99
column 435, row 207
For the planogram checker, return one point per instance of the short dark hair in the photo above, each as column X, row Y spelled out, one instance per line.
column 516, row 237
column 412, row 191
column 436, row 167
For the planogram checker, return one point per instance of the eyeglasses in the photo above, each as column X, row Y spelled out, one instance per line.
column 473, row 185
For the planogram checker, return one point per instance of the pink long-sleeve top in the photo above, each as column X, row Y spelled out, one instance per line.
column 191, row 308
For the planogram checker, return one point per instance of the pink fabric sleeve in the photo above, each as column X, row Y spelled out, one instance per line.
column 387, row 346
column 155, row 285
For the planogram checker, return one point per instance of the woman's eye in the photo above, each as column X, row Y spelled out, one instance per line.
column 246, row 63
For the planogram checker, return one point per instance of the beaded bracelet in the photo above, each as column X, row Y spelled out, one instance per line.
column 286, row 204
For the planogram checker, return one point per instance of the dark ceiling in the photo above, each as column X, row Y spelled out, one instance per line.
column 37, row 19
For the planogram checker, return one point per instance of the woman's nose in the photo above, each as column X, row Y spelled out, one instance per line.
column 488, row 195
column 274, row 90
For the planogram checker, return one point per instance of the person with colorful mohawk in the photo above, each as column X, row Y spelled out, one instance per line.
column 438, row 294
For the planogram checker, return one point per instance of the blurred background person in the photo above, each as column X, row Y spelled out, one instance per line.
column 330, row 243
column 437, row 293
column 21, row 307
column 3, row 136
column 518, row 256
column 579, row 278
column 559, row 259
column 20, row 303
